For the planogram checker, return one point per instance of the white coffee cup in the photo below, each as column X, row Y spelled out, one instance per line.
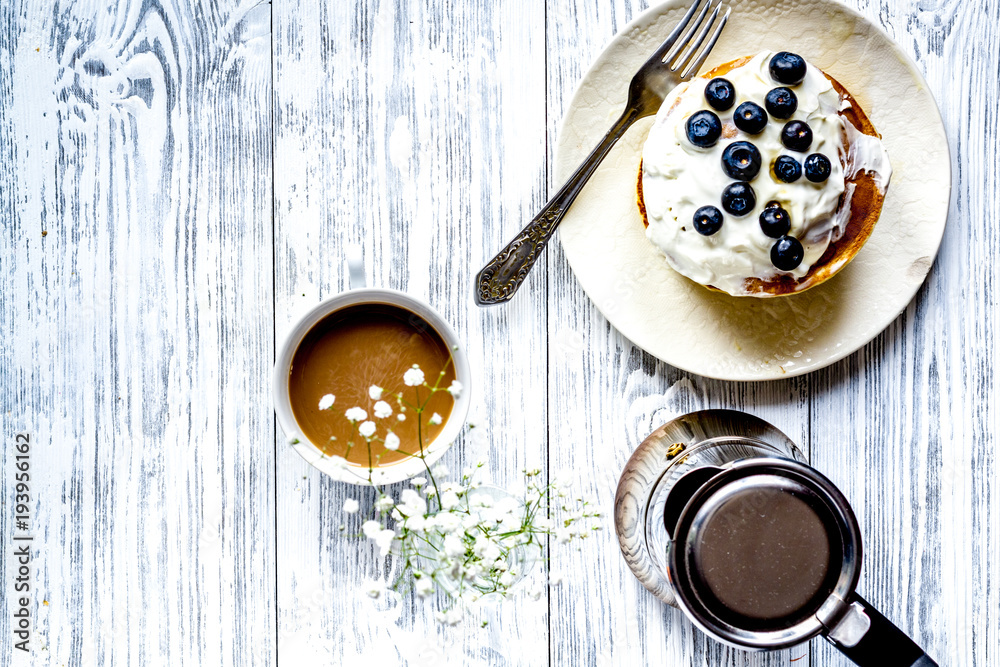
column 359, row 293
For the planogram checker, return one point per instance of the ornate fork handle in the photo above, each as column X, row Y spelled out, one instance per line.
column 503, row 275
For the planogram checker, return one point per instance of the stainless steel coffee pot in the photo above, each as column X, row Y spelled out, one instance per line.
column 719, row 514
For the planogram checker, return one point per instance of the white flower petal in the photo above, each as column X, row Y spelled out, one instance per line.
column 367, row 429
column 391, row 441
column 326, row 402
column 455, row 389
column 435, row 419
column 382, row 410
column 351, row 506
column 413, row 377
column 356, row 414
column 375, row 392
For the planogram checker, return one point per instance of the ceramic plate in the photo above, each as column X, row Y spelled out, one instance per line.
column 714, row 334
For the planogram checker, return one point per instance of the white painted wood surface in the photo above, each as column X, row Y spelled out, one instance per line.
column 197, row 169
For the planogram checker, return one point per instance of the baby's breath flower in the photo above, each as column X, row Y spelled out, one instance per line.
column 391, row 441
column 384, row 503
column 370, row 528
column 413, row 377
column 455, row 389
column 375, row 392
column 356, row 414
column 351, row 506
column 382, row 410
column 453, row 546
column 418, row 481
column 326, row 402
column 384, row 540
column 374, row 589
column 339, row 462
column 424, row 586
column 435, row 419
column 440, row 470
column 401, row 417
column 367, row 429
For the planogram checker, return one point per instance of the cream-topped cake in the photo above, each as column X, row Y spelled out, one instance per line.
column 762, row 177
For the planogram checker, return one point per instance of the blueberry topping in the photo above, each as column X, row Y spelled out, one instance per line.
column 741, row 161
column 707, row 220
column 738, row 199
column 720, row 94
column 796, row 136
column 750, row 118
column 817, row 167
column 781, row 103
column 787, row 253
column 787, row 68
column 704, row 129
column 774, row 221
column 787, row 169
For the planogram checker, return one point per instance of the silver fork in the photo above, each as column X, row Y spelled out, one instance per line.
column 676, row 60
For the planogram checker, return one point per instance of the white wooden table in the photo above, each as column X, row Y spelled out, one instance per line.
column 178, row 180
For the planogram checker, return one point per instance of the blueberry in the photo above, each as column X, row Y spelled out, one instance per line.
column 787, row 253
column 817, row 167
column 738, row 199
column 741, row 161
column 781, row 102
column 750, row 118
column 787, row 169
column 787, row 68
column 774, row 221
column 720, row 94
column 797, row 136
column 704, row 128
column 707, row 220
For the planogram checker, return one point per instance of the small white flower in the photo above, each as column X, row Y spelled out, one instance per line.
column 401, row 417
column 384, row 503
column 449, row 499
column 374, row 589
column 339, row 462
column 326, row 402
column 440, row 471
column 375, row 392
column 356, row 414
column 351, row 506
column 506, row 579
column 424, row 586
column 417, row 523
column 384, row 540
column 543, row 523
column 382, row 410
column 411, row 503
column 370, row 528
column 453, row 546
column 391, row 441
column 367, row 429
column 413, row 377
column 418, row 481
column 435, row 419
column 455, row 389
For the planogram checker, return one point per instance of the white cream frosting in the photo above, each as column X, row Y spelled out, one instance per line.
column 678, row 178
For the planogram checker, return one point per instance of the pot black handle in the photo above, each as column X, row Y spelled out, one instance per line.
column 883, row 645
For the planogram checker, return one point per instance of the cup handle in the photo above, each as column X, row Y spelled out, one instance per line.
column 869, row 639
column 356, row 267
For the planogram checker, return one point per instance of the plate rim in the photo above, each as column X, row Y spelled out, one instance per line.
column 645, row 17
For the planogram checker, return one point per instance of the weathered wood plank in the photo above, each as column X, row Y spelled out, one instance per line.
column 135, row 297
column 417, row 130
column 907, row 427
column 605, row 397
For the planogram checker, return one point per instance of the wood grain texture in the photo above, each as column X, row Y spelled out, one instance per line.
column 907, row 427
column 418, row 131
column 172, row 524
column 135, row 294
